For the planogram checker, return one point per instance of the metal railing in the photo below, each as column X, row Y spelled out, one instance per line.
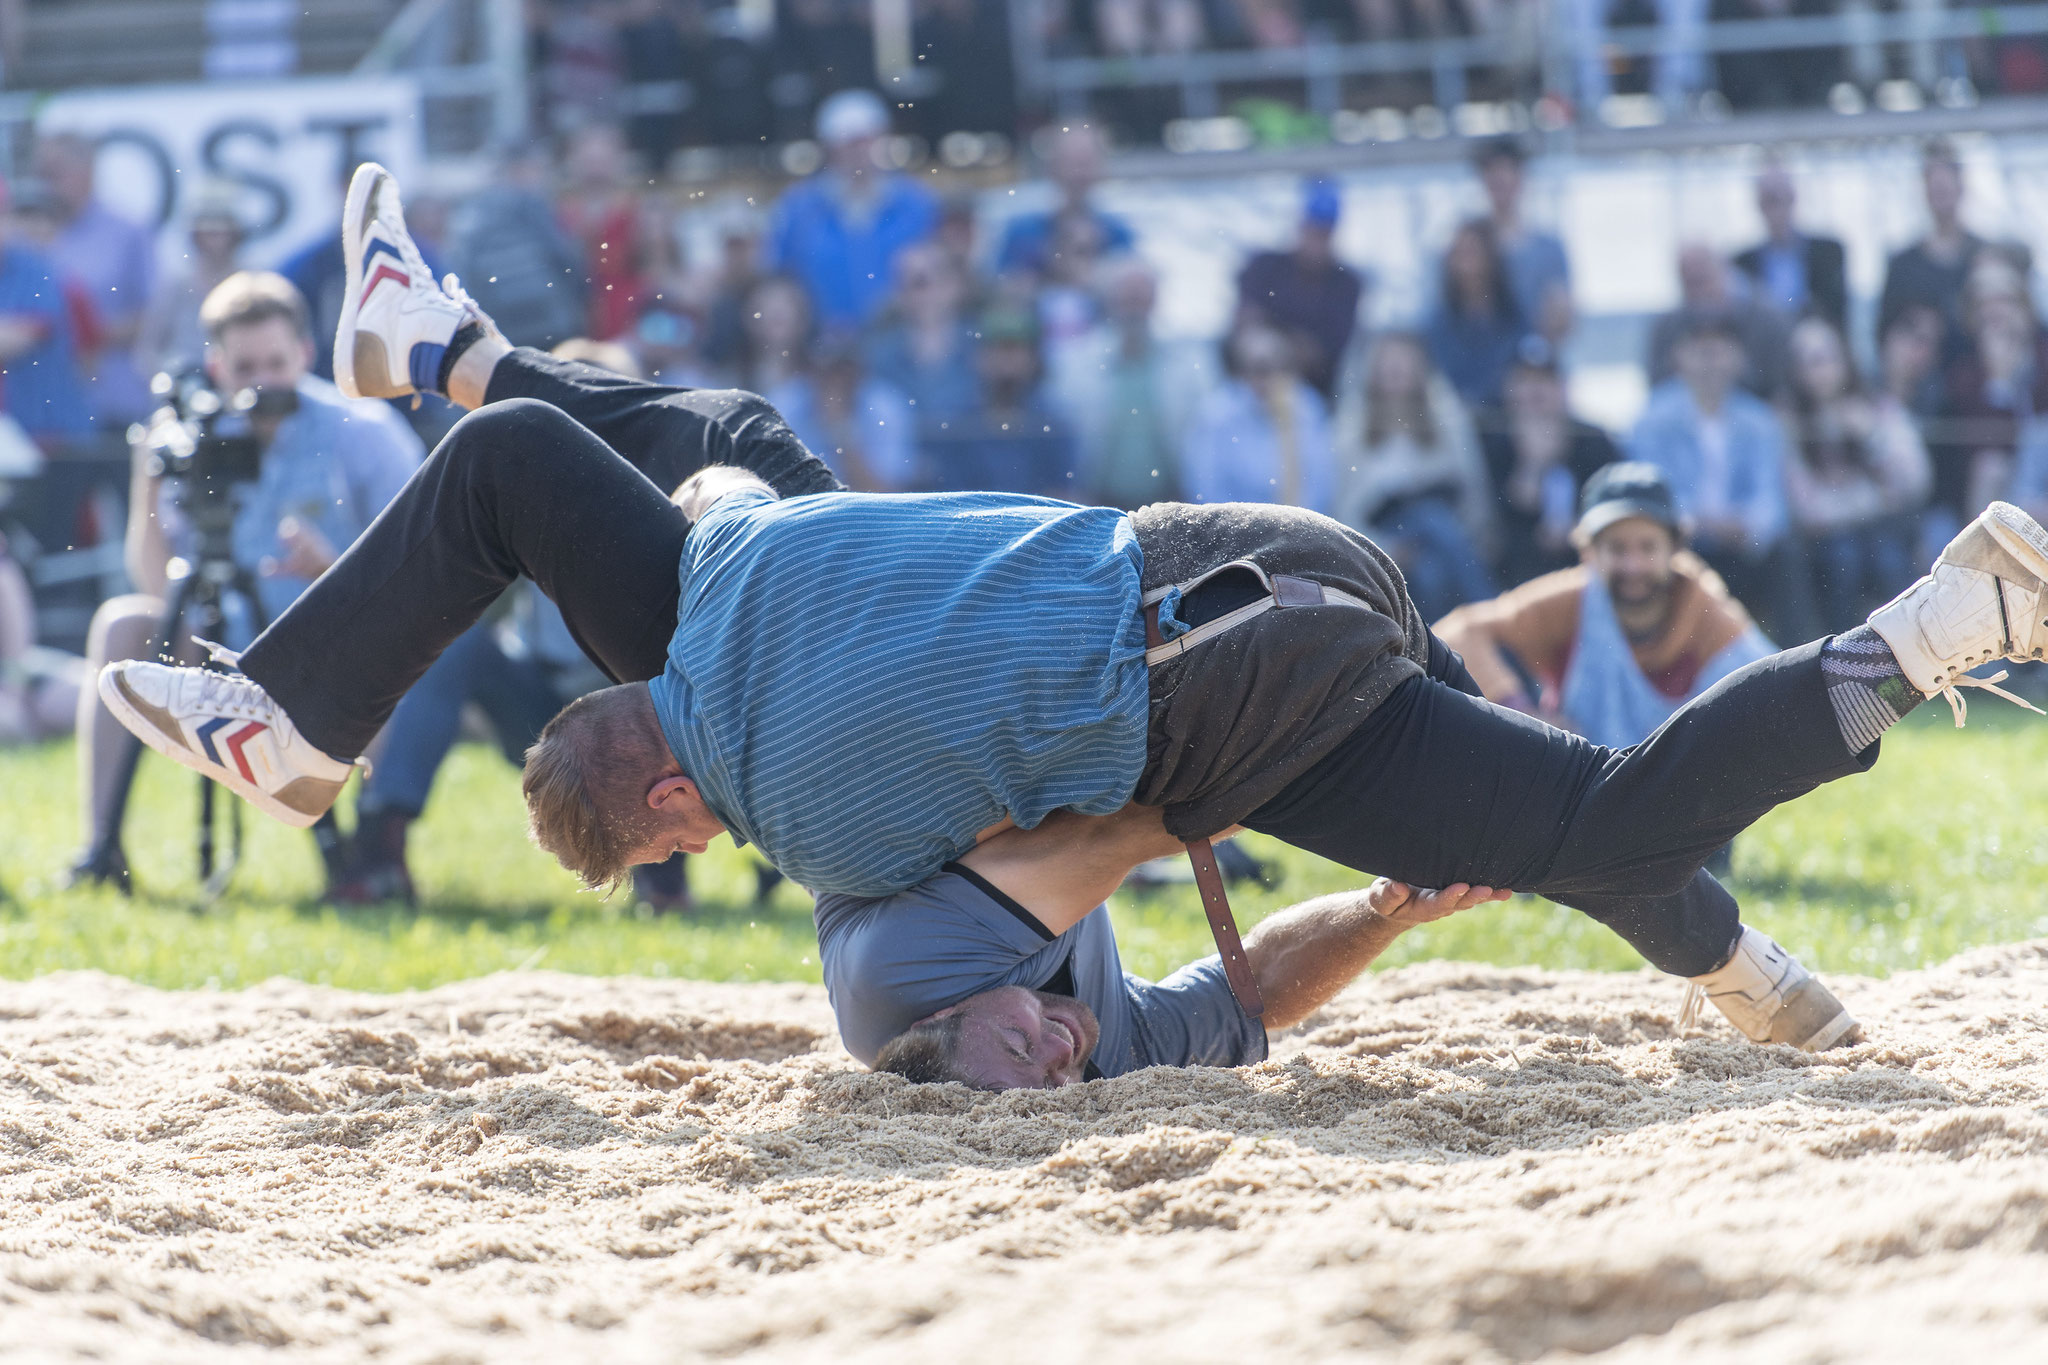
column 470, row 58
column 1068, row 84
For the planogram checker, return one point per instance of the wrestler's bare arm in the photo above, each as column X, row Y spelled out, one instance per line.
column 1306, row 953
column 1070, row 863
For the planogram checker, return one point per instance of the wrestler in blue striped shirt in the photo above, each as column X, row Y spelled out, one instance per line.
column 934, row 656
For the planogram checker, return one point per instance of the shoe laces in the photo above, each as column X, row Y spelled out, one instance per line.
column 219, row 653
column 1959, row 707
column 472, row 311
column 230, row 692
column 1689, row 1009
column 391, row 217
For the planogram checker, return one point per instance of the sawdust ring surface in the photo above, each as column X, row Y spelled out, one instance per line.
column 1449, row 1163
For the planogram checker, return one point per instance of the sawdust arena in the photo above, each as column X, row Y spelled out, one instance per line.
column 1447, row 1163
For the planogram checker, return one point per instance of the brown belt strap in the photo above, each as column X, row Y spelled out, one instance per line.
column 1237, row 968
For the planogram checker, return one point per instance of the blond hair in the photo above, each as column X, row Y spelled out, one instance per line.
column 248, row 297
column 586, row 783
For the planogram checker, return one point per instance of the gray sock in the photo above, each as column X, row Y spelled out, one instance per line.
column 1869, row 692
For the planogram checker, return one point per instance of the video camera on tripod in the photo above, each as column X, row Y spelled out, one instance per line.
column 208, row 442
column 212, row 446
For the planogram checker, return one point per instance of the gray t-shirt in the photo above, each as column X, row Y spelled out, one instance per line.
column 891, row 960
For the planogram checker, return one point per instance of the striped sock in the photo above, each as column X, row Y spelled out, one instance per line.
column 1869, row 692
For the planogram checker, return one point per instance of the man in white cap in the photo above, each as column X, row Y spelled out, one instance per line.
column 838, row 232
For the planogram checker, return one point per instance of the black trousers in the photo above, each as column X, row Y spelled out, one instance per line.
column 565, row 478
column 1439, row 786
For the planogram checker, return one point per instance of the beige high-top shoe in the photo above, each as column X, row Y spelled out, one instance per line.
column 1766, row 993
column 1985, row 599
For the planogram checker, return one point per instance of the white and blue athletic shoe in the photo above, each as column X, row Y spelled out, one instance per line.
column 227, row 727
column 396, row 321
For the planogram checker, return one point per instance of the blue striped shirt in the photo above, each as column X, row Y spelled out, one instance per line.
column 859, row 683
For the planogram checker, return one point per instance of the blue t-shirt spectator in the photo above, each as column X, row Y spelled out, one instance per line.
column 41, row 387
column 1477, row 322
column 1027, row 449
column 114, row 261
column 1235, row 452
column 1027, row 241
column 844, row 252
column 1725, row 468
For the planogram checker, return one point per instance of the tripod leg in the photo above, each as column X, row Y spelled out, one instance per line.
column 327, row 837
column 163, row 644
column 217, row 881
column 205, row 830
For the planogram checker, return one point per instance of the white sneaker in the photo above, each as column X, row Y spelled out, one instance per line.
column 227, row 727
column 1985, row 599
column 1766, row 993
column 396, row 322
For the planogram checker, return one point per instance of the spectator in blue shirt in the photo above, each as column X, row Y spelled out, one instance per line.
column 1074, row 162
column 1264, row 436
column 328, row 469
column 928, row 352
column 839, row 232
column 1723, row 450
column 1016, row 441
column 41, row 386
column 1539, row 272
column 1477, row 323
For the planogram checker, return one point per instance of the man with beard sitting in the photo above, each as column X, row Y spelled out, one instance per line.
column 1613, row 646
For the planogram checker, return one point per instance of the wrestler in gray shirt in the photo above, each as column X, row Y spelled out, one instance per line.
column 893, row 960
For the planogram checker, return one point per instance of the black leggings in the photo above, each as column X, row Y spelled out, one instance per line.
column 565, row 478
column 1438, row 786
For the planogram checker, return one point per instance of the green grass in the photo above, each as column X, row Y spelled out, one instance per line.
column 1940, row 849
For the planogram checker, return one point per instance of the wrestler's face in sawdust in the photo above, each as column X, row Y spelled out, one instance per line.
column 1017, row 1039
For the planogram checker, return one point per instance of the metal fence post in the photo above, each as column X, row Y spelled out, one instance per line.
column 505, row 51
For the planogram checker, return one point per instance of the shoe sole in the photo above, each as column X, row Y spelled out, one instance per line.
column 1830, row 1033
column 146, row 729
column 361, row 187
column 2019, row 535
column 1811, row 1000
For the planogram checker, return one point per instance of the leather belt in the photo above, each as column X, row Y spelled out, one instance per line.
column 1287, row 591
column 1237, row 968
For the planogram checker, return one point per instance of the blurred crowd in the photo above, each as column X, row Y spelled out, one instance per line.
column 680, row 73
column 1795, row 475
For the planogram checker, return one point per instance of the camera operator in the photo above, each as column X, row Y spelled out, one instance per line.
column 326, row 469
